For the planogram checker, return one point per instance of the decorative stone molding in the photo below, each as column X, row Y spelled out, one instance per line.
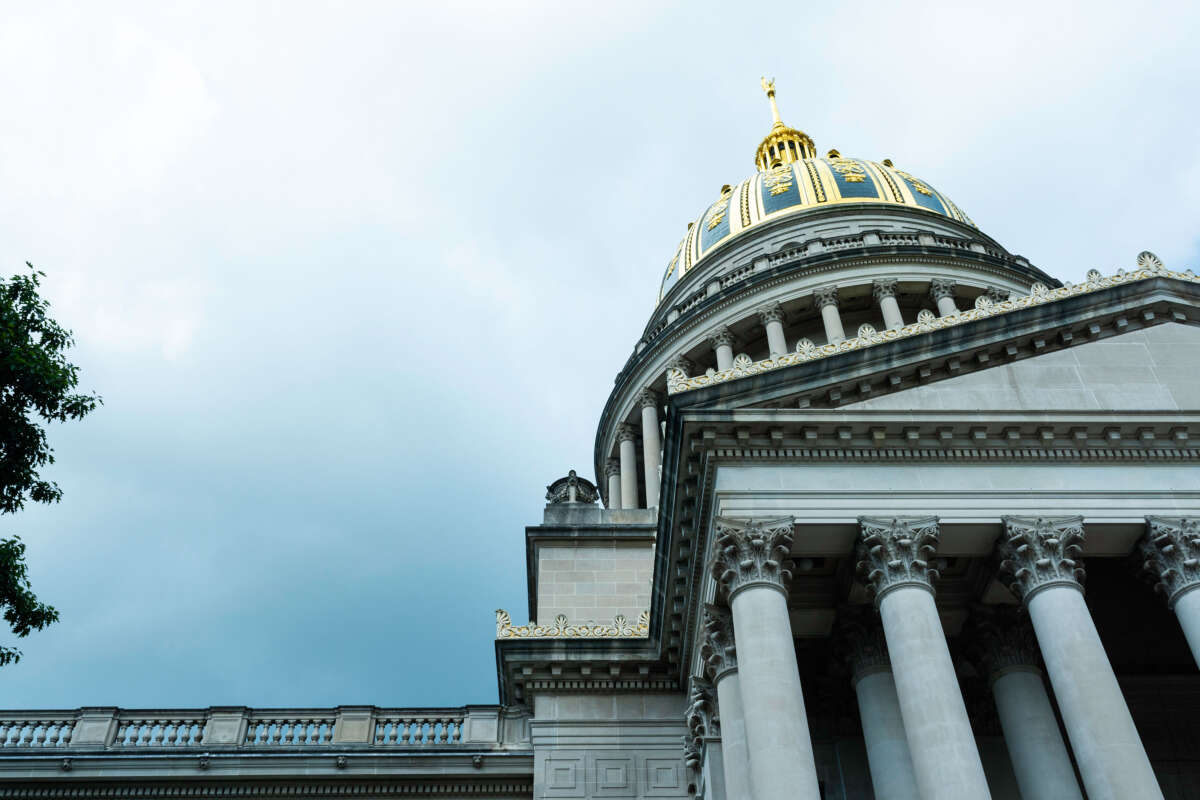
column 895, row 551
column 770, row 313
column 721, row 337
column 1039, row 294
column 941, row 287
column 626, row 433
column 682, row 364
column 701, row 718
column 861, row 642
column 719, row 651
column 612, row 468
column 502, row 789
column 1171, row 554
column 648, row 399
column 1039, row 552
column 883, row 287
column 621, row 628
column 996, row 294
column 571, row 489
column 825, row 296
column 1000, row 639
column 749, row 553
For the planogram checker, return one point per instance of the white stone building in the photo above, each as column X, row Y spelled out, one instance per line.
column 850, row 483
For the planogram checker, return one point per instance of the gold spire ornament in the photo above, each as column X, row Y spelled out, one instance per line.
column 783, row 145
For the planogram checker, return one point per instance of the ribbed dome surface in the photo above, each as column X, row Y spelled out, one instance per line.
column 805, row 185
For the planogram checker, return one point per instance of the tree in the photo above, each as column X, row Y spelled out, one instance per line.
column 37, row 385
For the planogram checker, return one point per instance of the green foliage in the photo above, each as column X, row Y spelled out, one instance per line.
column 37, row 385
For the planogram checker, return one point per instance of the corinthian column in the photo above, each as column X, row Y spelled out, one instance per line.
column 1039, row 565
column 942, row 292
column 826, row 299
column 702, row 746
column 627, row 436
column 893, row 556
column 749, row 566
column 883, row 729
column 722, row 344
column 1171, row 553
column 612, row 471
column 720, row 664
column 772, row 319
column 884, row 291
column 1006, row 647
column 651, row 449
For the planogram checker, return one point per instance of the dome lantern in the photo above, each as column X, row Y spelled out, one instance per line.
column 782, row 145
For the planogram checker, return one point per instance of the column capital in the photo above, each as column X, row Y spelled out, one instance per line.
column 749, row 553
column 721, row 337
column 648, row 399
column 702, row 718
column 861, row 642
column 883, row 287
column 1002, row 639
column 719, row 651
column 895, row 551
column 825, row 296
column 1171, row 555
column 941, row 287
column 612, row 468
column 772, row 312
column 683, row 364
column 1039, row 552
column 996, row 294
column 626, row 432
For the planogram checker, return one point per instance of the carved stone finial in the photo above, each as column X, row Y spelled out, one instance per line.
column 626, row 432
column 825, row 296
column 721, row 337
column 941, row 287
column 895, row 551
column 883, row 287
column 612, row 468
column 648, row 398
column 1000, row 638
column 719, row 651
column 1038, row 552
column 770, row 313
column 683, row 364
column 571, row 489
column 1171, row 555
column 749, row 553
column 861, row 642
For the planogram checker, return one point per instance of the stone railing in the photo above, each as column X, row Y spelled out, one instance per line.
column 122, row 730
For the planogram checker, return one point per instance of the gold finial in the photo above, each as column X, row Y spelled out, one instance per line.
column 768, row 86
column 783, row 145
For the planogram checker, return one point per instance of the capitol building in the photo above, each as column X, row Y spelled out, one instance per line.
column 878, row 509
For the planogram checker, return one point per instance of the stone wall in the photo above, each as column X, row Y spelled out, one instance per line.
column 594, row 581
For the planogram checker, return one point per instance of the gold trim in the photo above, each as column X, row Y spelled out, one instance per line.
column 620, row 628
column 1148, row 267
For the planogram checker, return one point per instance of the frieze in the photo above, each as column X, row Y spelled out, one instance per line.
column 1148, row 267
column 619, row 628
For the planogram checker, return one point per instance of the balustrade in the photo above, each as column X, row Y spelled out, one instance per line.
column 289, row 731
column 156, row 731
column 400, row 729
column 52, row 732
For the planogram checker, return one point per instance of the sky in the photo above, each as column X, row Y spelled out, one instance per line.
column 354, row 280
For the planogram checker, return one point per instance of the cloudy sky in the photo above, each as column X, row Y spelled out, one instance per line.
column 354, row 280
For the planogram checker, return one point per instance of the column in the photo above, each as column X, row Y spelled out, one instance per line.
column 772, row 319
column 651, row 449
column 942, row 292
column 1171, row 556
column 722, row 344
column 629, row 489
column 884, row 291
column 1006, row 648
column 826, row 299
column 702, row 745
column 890, row 763
column 720, row 663
column 749, row 566
column 612, row 471
column 1039, row 566
column 893, row 557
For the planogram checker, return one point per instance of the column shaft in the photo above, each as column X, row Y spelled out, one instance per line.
column 629, row 488
column 883, row 729
column 651, row 452
column 1039, row 756
column 614, row 490
column 775, row 341
column 891, row 312
column 946, row 306
column 833, row 323
column 945, row 758
column 724, row 357
column 781, row 756
column 734, row 751
column 1187, row 610
column 1107, row 748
